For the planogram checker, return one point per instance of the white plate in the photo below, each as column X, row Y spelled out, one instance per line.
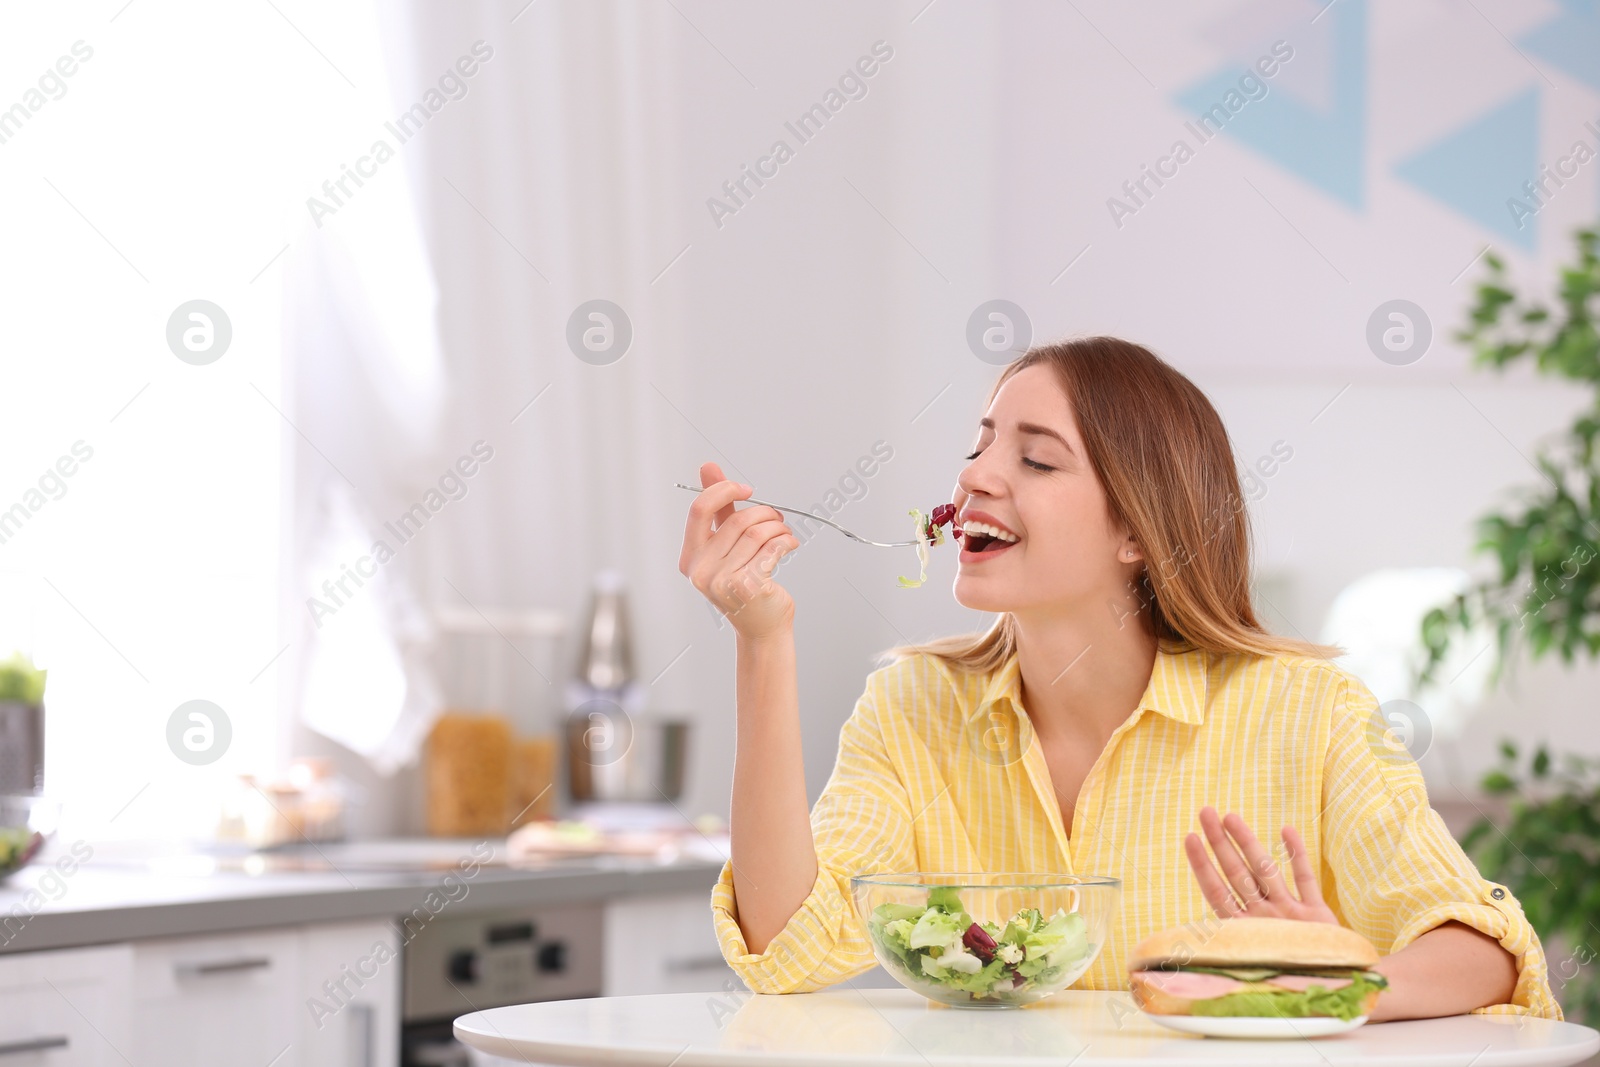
column 1244, row 1026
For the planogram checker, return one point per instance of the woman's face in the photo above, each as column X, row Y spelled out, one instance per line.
column 1030, row 474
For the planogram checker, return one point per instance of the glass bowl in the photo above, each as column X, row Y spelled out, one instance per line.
column 26, row 823
column 986, row 940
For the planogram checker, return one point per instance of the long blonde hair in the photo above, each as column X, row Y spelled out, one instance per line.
column 1161, row 452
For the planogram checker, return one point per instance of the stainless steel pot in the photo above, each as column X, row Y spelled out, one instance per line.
column 613, row 756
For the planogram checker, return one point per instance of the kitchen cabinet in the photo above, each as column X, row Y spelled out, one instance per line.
column 297, row 969
column 316, row 996
column 320, row 995
column 663, row 944
column 65, row 1009
column 356, row 1022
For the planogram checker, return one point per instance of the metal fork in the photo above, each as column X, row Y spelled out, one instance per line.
column 818, row 518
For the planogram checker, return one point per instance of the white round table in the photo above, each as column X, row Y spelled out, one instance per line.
column 898, row 1028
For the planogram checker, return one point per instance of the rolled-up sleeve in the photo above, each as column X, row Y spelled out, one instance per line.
column 1395, row 870
column 860, row 824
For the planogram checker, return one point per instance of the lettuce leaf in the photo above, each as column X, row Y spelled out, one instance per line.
column 1346, row 1003
column 923, row 541
column 888, row 913
column 937, row 929
column 980, row 981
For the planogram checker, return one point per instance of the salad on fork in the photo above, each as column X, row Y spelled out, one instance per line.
column 930, row 531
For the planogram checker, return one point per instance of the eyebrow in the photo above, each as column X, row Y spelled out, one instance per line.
column 1033, row 428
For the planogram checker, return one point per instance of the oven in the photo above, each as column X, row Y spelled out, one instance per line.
column 454, row 964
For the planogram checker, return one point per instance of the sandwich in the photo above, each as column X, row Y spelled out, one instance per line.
column 1266, row 968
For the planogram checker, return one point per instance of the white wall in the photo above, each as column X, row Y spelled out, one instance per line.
column 829, row 312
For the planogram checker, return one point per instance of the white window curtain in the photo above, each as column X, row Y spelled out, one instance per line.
column 366, row 392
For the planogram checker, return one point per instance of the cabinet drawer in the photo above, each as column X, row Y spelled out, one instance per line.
column 216, row 1000
column 65, row 1009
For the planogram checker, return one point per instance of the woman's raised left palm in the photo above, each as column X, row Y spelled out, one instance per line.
column 1251, row 883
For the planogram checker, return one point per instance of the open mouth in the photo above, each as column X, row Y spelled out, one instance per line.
column 979, row 544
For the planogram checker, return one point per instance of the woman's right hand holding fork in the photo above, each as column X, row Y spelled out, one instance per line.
column 729, row 555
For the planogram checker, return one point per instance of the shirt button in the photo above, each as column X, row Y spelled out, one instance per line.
column 1497, row 893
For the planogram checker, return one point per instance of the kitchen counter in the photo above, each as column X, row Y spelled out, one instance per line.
column 113, row 899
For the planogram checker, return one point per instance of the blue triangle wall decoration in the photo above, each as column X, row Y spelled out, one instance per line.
column 1478, row 169
column 1570, row 42
column 1327, row 149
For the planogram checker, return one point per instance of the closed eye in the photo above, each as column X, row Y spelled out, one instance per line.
column 1035, row 465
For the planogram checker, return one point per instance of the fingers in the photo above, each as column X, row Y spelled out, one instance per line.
column 1305, row 878
column 709, row 474
column 1250, row 872
column 767, row 558
column 1216, row 891
column 742, row 522
column 714, row 501
column 1261, row 866
column 770, row 537
column 1233, row 867
column 724, row 574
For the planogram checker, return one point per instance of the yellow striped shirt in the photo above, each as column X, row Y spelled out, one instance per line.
column 937, row 771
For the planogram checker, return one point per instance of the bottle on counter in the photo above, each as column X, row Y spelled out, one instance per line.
column 604, row 697
column 605, row 661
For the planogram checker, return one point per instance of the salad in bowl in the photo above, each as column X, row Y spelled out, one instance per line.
column 26, row 823
column 982, row 940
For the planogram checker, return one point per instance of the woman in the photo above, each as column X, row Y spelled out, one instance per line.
column 1126, row 695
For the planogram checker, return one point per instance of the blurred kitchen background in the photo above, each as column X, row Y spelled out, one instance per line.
column 352, row 353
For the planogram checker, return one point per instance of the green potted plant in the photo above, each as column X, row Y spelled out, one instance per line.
column 1544, row 598
column 1548, row 852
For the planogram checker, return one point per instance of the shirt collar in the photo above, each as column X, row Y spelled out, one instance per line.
column 1177, row 687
